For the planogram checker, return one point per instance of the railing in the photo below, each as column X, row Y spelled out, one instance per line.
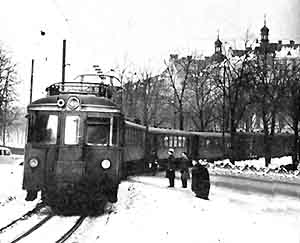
column 100, row 89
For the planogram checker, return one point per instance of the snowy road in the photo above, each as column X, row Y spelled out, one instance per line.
column 148, row 211
column 157, row 214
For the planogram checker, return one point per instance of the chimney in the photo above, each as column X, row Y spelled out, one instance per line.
column 292, row 42
column 280, row 42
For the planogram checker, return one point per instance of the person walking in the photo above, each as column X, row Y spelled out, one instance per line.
column 200, row 179
column 184, row 169
column 170, row 173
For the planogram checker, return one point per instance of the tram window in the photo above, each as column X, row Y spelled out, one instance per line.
column 175, row 141
column 171, row 141
column 180, row 141
column 98, row 130
column 115, row 131
column 129, row 136
column 136, row 136
column 166, row 141
column 72, row 130
column 43, row 128
column 132, row 136
column 6, row 152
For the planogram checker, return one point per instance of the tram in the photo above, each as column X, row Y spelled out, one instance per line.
column 74, row 145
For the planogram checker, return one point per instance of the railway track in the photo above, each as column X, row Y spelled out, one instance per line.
column 34, row 228
column 62, row 239
column 23, row 217
column 72, row 230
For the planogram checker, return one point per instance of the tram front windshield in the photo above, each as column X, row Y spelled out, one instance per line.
column 98, row 130
column 42, row 128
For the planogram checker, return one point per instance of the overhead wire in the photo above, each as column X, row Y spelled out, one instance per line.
column 72, row 33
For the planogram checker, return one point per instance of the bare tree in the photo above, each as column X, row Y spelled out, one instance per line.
column 269, row 93
column 289, row 71
column 151, row 93
column 201, row 95
column 178, row 73
column 8, row 82
column 130, row 93
column 235, row 83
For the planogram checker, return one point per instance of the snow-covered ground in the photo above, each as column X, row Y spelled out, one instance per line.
column 148, row 211
column 260, row 163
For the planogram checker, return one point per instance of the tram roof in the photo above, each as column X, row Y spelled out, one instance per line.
column 185, row 133
column 86, row 101
column 176, row 132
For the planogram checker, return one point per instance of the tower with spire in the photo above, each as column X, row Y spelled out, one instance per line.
column 265, row 47
column 218, row 45
column 264, row 32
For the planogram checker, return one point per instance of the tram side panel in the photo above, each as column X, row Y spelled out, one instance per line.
column 282, row 145
column 211, row 147
column 134, row 149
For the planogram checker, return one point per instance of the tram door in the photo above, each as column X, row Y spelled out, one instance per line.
column 70, row 165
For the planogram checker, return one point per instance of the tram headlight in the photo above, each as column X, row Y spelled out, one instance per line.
column 33, row 162
column 105, row 164
column 73, row 103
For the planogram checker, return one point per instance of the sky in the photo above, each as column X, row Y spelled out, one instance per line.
column 135, row 33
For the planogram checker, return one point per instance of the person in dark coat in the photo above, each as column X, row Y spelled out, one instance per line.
column 184, row 170
column 200, row 180
column 153, row 164
column 171, row 168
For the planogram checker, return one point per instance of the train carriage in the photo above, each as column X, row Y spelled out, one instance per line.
column 79, row 146
column 162, row 139
column 209, row 145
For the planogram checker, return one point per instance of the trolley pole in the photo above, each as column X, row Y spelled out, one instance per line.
column 31, row 80
column 63, row 64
